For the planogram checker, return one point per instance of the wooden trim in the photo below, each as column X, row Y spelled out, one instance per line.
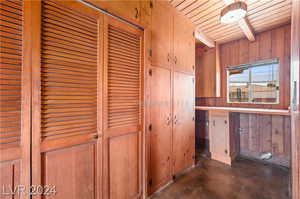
column 218, row 71
column 26, row 99
column 295, row 85
column 36, row 92
column 245, row 110
column 99, row 157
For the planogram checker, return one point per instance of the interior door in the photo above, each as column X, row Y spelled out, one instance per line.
column 66, row 105
column 161, row 34
column 14, row 98
column 123, row 98
column 161, row 129
column 183, row 122
column 184, row 44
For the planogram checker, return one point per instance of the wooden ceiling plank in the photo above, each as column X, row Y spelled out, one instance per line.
column 210, row 4
column 276, row 12
column 176, row 2
column 194, row 6
column 185, row 4
column 206, row 14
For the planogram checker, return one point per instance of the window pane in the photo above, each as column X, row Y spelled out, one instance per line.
column 239, row 76
column 238, row 92
column 265, row 73
column 266, row 92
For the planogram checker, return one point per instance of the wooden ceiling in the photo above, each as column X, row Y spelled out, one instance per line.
column 205, row 14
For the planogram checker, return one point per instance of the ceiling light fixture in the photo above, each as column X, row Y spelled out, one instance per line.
column 233, row 12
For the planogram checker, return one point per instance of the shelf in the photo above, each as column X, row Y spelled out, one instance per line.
column 245, row 110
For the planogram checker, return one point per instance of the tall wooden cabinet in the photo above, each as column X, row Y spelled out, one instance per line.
column 172, row 46
column 171, row 125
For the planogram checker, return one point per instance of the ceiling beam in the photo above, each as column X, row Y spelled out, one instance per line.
column 204, row 39
column 244, row 24
column 247, row 29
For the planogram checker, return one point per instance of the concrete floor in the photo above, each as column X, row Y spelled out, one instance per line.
column 246, row 179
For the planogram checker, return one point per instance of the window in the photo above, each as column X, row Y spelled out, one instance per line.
column 256, row 83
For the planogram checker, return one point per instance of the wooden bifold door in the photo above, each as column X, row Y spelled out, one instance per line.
column 71, row 96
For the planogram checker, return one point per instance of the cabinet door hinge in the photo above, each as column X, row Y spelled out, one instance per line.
column 150, row 72
column 150, row 127
column 150, row 52
column 151, row 4
column 150, row 182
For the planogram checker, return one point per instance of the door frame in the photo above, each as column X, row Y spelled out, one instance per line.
column 295, row 90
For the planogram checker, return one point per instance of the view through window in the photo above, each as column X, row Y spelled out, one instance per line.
column 256, row 83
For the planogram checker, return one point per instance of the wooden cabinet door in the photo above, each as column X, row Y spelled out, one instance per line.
column 219, row 136
column 66, row 122
column 129, row 9
column 161, row 34
column 183, row 122
column 184, row 44
column 123, row 98
column 14, row 98
column 161, row 132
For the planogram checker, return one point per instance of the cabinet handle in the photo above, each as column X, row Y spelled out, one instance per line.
column 175, row 59
column 214, row 123
column 175, row 119
column 136, row 13
column 96, row 137
column 168, row 57
column 168, row 120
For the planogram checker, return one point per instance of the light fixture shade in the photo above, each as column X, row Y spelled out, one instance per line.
column 233, row 12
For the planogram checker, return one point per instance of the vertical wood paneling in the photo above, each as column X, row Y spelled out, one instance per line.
column 273, row 43
column 266, row 133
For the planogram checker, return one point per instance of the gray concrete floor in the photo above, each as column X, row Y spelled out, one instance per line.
column 246, row 179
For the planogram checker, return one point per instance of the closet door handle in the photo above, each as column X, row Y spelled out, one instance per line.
column 175, row 59
column 136, row 13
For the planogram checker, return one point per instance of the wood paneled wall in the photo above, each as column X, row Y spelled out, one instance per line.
column 266, row 133
column 273, row 43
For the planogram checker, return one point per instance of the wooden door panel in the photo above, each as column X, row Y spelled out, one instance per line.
column 161, row 34
column 130, row 10
column 77, row 167
column 67, row 128
column 123, row 97
column 184, row 44
column 10, row 178
column 14, row 98
column 161, row 133
column 183, row 122
column 124, row 177
column 219, row 136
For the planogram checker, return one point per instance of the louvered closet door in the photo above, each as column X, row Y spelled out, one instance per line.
column 14, row 98
column 123, row 113
column 67, row 127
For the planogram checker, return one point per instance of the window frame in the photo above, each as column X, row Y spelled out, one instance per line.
column 248, row 66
